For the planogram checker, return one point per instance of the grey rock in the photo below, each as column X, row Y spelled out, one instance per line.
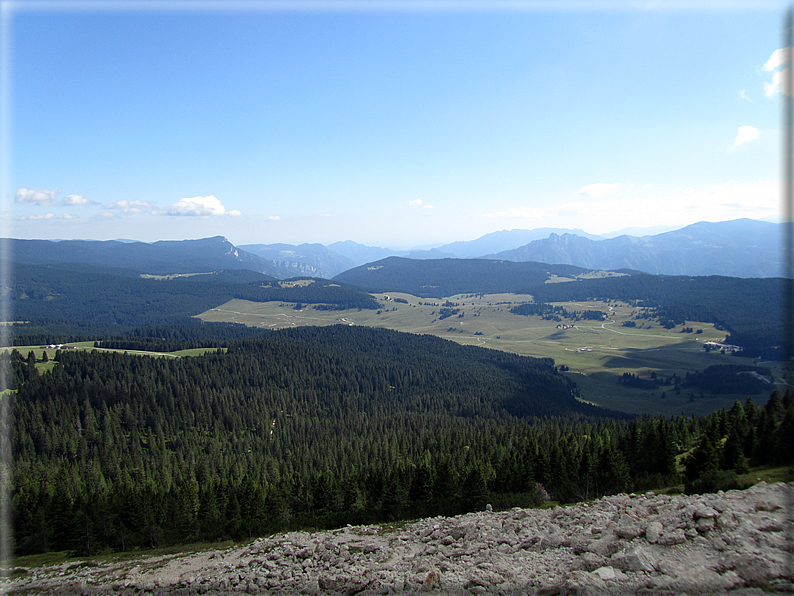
column 694, row 544
column 457, row 533
column 753, row 569
column 530, row 543
column 699, row 581
column 653, row 532
column 591, row 561
column 552, row 541
column 606, row 573
column 629, row 532
column 605, row 547
column 635, row 559
column 580, row 583
column 702, row 511
column 705, row 524
column 677, row 536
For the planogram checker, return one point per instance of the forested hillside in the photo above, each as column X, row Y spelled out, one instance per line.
column 80, row 301
column 437, row 278
column 313, row 426
column 163, row 258
column 750, row 309
column 317, row 427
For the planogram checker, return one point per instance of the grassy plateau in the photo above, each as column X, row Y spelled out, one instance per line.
column 596, row 352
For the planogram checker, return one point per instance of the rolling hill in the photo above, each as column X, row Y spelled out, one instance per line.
column 436, row 278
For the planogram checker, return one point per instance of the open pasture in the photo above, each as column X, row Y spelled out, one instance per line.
column 89, row 345
column 596, row 352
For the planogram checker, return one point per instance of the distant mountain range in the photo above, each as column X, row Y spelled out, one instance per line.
column 310, row 260
column 505, row 240
column 157, row 258
column 739, row 248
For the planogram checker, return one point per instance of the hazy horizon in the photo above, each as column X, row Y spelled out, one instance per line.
column 635, row 231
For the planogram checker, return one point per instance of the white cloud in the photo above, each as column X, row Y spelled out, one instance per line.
column 418, row 203
column 743, row 95
column 36, row 197
column 131, row 207
column 74, row 200
column 68, row 216
column 599, row 189
column 199, row 207
column 778, row 58
column 42, row 216
column 274, row 217
column 778, row 82
column 47, row 197
column 744, row 134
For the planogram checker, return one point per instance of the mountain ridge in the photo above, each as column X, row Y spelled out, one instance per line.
column 738, row 248
column 159, row 258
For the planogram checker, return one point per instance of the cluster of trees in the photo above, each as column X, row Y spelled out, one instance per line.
column 730, row 442
column 632, row 380
column 654, row 382
column 172, row 338
column 557, row 313
column 726, row 379
column 538, row 309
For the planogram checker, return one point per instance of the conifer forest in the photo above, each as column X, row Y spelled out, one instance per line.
column 318, row 427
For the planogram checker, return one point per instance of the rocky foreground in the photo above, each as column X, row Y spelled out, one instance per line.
column 626, row 544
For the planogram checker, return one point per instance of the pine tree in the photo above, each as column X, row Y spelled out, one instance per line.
column 703, row 459
column 474, row 489
column 611, row 472
column 784, row 439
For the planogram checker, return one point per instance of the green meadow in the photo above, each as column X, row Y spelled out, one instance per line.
column 42, row 366
column 596, row 353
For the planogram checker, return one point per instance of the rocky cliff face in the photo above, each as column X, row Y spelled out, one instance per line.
column 627, row 544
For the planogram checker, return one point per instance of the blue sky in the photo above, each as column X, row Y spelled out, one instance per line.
column 390, row 124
